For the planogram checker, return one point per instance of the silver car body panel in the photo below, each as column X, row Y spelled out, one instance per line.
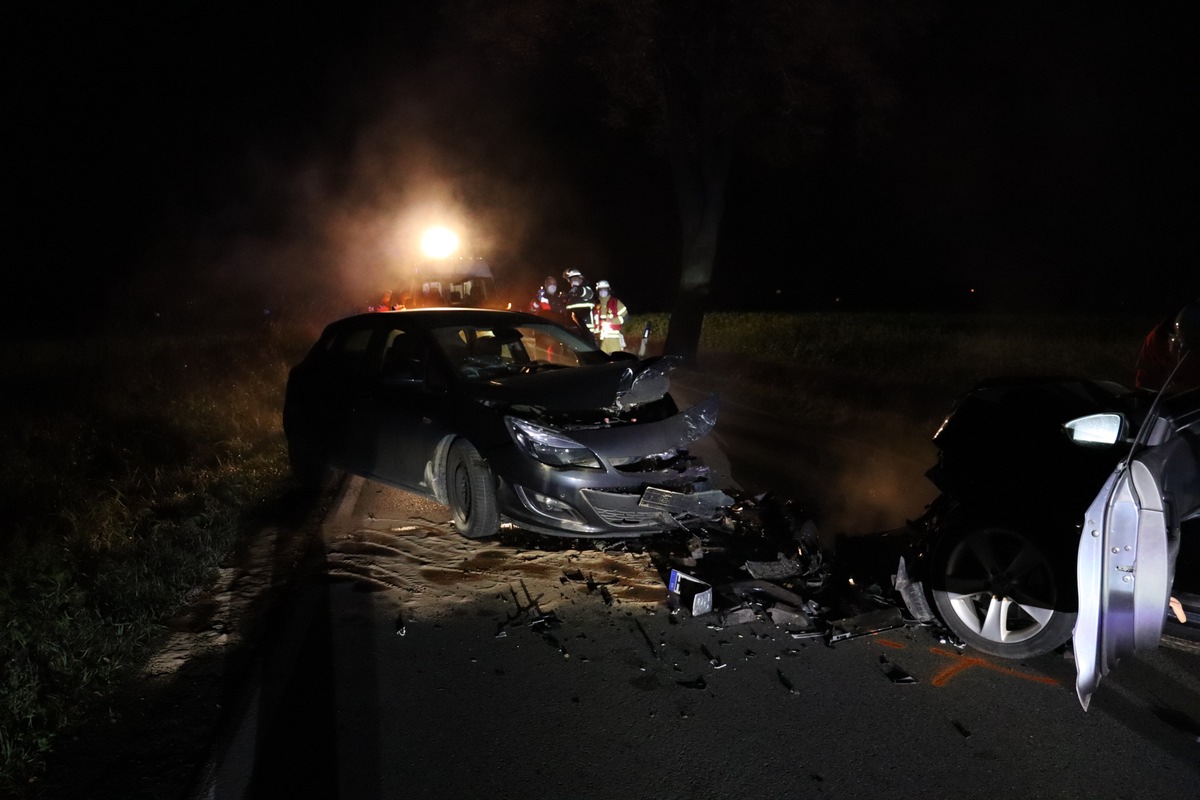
column 1123, row 576
column 1127, row 555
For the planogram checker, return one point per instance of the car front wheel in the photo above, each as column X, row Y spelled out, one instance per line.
column 1000, row 593
column 471, row 490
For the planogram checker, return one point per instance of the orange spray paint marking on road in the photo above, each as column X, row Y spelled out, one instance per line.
column 966, row 662
column 890, row 643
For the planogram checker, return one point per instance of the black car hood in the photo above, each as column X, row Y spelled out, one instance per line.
column 616, row 386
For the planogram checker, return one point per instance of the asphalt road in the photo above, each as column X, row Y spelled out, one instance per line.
column 418, row 667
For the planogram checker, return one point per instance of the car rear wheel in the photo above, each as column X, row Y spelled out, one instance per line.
column 1001, row 594
column 471, row 490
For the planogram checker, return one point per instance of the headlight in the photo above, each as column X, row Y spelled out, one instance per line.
column 549, row 446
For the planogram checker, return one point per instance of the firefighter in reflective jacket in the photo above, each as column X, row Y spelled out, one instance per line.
column 579, row 301
column 608, row 316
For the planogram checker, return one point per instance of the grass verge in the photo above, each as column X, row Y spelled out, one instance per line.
column 841, row 369
column 127, row 470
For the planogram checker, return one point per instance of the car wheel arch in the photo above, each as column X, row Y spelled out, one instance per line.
column 957, row 611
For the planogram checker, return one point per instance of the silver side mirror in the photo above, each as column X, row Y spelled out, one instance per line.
column 1096, row 429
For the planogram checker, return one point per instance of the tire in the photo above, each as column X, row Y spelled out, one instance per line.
column 471, row 490
column 997, row 589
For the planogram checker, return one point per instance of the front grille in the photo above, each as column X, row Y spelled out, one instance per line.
column 622, row 510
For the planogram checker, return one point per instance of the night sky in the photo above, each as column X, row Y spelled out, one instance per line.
column 1044, row 155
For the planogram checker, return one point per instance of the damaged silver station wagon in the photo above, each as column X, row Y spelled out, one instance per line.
column 506, row 417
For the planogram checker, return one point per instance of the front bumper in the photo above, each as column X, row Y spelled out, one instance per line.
column 648, row 483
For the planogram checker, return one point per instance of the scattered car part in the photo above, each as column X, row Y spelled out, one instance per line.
column 692, row 593
column 894, row 673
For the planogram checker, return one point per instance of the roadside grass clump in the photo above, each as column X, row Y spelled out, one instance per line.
column 128, row 467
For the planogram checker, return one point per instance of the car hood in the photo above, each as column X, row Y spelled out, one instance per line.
column 616, row 386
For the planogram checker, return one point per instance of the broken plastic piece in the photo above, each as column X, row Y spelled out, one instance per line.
column 958, row 726
column 894, row 673
column 787, row 617
column 868, row 624
column 700, row 504
column 780, row 568
column 946, row 637
column 699, row 683
column 913, row 594
column 543, row 622
column 741, row 615
column 784, row 680
column 747, row 589
column 693, row 593
column 650, row 644
column 714, row 661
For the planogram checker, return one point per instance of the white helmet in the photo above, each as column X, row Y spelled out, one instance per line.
column 602, row 285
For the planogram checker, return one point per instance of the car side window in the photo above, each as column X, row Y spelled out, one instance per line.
column 404, row 356
column 349, row 349
column 544, row 346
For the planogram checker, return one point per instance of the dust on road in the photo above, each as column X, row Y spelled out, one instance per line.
column 407, row 547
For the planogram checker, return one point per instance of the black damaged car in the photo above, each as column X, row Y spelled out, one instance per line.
column 1020, row 461
column 506, row 417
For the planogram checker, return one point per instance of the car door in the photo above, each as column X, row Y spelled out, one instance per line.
column 396, row 424
column 322, row 392
column 1127, row 554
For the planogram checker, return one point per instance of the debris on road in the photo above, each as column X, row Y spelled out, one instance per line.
column 692, row 593
column 763, row 561
column 714, row 661
column 894, row 673
column 866, row 624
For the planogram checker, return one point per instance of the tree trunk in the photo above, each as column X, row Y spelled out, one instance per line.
column 700, row 173
column 687, row 321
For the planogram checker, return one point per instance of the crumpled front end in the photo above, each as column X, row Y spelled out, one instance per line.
column 642, row 480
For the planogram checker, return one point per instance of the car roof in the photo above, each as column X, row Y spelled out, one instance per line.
column 440, row 317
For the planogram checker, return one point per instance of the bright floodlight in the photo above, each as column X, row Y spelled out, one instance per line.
column 439, row 242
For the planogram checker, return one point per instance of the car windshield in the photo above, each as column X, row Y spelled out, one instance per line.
column 487, row 352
